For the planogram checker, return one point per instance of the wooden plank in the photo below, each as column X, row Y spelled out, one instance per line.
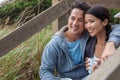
column 106, row 3
column 55, row 2
column 31, row 27
column 58, row 23
column 109, row 70
column 61, row 21
column 55, row 23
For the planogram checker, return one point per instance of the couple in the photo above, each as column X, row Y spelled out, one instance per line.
column 87, row 33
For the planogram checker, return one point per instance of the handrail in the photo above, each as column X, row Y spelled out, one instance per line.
column 33, row 26
column 109, row 70
column 106, row 3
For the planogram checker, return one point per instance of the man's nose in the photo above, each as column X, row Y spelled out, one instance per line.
column 75, row 22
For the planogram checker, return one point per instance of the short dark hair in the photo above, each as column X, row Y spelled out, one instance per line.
column 81, row 5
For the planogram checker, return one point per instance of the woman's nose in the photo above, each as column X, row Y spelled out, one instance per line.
column 87, row 25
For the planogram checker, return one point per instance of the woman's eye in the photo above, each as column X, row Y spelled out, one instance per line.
column 92, row 21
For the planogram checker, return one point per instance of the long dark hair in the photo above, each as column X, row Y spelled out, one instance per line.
column 102, row 13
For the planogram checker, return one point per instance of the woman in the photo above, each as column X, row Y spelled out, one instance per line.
column 98, row 24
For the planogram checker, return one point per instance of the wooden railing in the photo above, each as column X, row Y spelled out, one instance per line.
column 108, row 71
column 33, row 26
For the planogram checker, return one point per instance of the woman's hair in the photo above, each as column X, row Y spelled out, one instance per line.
column 102, row 13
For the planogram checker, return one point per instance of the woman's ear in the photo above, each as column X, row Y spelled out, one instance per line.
column 105, row 22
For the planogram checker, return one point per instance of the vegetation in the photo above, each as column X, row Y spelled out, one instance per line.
column 112, row 13
column 21, row 11
column 22, row 63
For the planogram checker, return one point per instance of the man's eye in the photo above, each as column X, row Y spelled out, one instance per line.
column 85, row 22
column 72, row 18
column 81, row 20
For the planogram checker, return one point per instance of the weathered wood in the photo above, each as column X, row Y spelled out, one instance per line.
column 55, row 23
column 54, row 2
column 109, row 70
column 58, row 23
column 106, row 3
column 31, row 27
column 61, row 21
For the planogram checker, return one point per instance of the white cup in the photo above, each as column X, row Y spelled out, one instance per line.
column 65, row 79
column 92, row 61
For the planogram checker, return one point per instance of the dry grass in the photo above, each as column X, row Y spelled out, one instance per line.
column 22, row 63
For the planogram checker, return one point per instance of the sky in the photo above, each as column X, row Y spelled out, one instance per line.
column 1, row 0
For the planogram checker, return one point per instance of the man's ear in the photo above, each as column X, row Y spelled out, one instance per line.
column 105, row 22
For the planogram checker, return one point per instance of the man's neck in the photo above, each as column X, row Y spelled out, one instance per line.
column 72, row 37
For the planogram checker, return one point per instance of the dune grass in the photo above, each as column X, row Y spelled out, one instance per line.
column 22, row 63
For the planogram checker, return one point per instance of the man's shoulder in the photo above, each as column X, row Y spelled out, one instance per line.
column 115, row 25
column 58, row 37
column 55, row 40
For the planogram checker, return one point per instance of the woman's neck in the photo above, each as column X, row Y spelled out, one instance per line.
column 101, row 38
column 101, row 41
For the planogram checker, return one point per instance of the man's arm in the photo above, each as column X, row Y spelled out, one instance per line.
column 48, row 64
column 108, row 51
column 113, row 42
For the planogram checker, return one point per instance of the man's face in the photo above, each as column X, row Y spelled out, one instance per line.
column 76, row 22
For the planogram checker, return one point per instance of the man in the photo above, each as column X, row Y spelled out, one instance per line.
column 111, row 46
column 65, row 51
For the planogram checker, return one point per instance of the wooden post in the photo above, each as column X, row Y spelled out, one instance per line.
column 55, row 23
column 61, row 21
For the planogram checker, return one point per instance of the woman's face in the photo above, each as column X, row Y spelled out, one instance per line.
column 94, row 25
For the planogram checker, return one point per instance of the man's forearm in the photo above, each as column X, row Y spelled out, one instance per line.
column 115, row 35
column 109, row 50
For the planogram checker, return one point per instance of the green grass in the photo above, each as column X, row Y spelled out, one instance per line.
column 112, row 13
column 22, row 63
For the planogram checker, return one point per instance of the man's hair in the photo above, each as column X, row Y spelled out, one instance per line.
column 81, row 5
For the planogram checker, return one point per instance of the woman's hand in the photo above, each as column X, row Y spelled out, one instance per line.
column 92, row 65
column 96, row 64
column 87, row 62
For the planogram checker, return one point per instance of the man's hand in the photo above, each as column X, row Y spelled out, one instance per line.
column 108, row 51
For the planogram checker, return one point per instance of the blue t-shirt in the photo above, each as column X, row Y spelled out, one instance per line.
column 74, row 51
